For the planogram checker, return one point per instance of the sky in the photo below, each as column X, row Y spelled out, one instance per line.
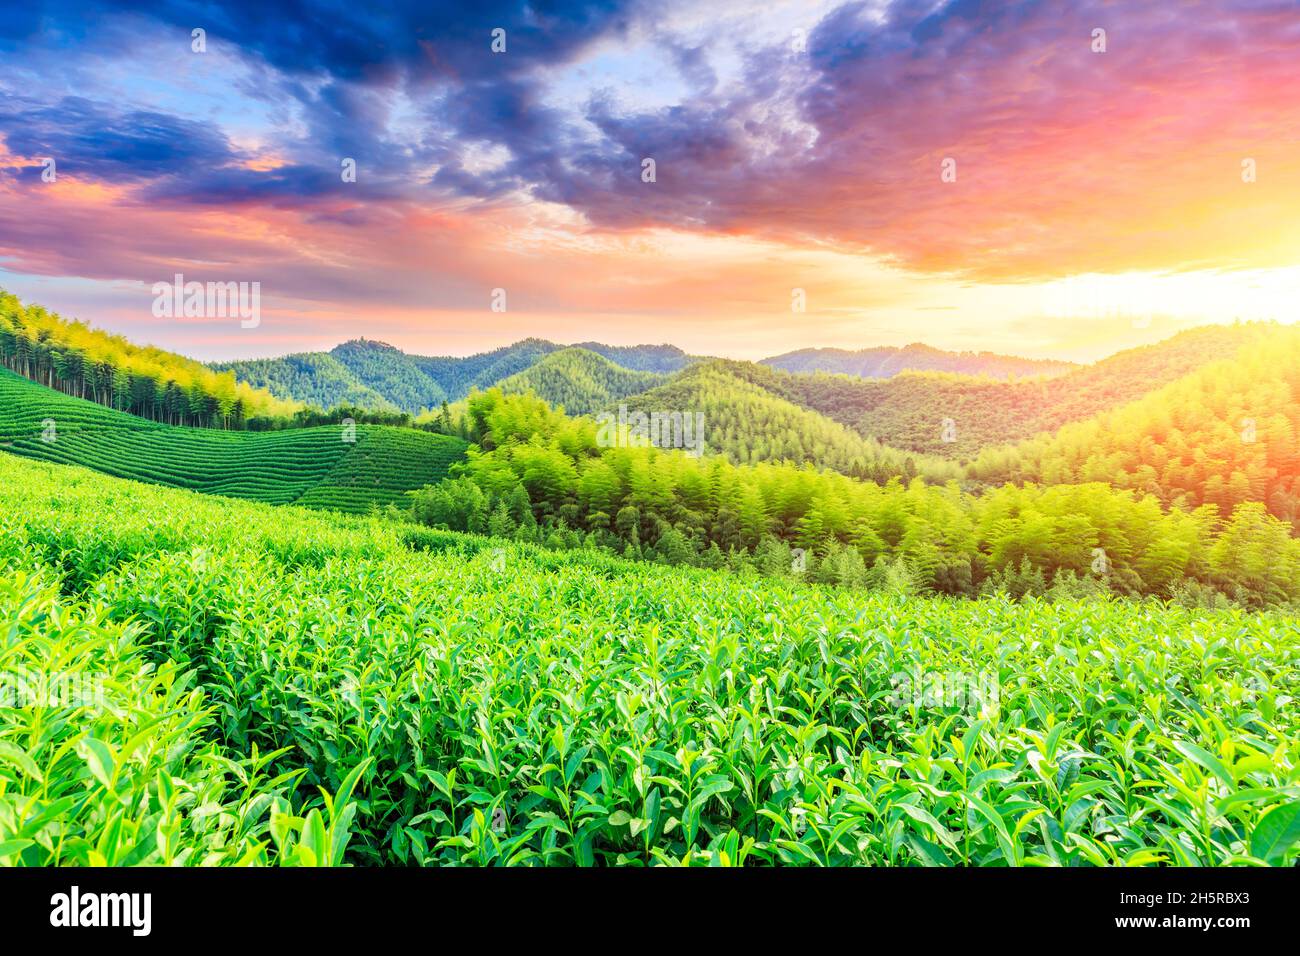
column 1053, row 179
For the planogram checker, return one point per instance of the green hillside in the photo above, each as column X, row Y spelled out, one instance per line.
column 908, row 410
column 749, row 423
column 458, row 376
column 391, row 373
column 382, row 377
column 1226, row 434
column 315, row 378
column 313, row 466
column 581, row 381
column 642, row 358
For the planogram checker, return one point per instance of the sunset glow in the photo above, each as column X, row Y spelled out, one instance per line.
column 1098, row 199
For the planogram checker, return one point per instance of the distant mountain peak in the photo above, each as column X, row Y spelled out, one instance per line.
column 886, row 361
column 364, row 343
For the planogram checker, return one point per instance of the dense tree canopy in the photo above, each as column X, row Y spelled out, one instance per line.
column 459, row 375
column 750, row 423
column 580, row 381
column 316, row 378
column 539, row 475
column 1227, row 434
column 391, row 373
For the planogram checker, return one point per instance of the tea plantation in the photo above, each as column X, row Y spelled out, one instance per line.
column 208, row 681
column 325, row 467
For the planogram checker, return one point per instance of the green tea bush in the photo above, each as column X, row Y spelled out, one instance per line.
column 102, row 757
column 315, row 467
column 483, row 703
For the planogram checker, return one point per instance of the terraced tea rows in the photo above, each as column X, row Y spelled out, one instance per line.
column 469, row 703
column 386, row 463
column 326, row 467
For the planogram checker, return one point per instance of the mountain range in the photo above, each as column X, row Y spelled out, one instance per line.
column 895, row 411
column 375, row 375
column 887, row 361
column 1209, row 418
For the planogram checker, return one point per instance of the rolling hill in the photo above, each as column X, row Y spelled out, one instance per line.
column 458, row 376
column 1164, row 419
column 908, row 410
column 916, row 399
column 315, row 378
column 642, row 358
column 381, row 377
column 1225, row 434
column 316, row 467
column 750, row 423
column 580, row 381
column 391, row 373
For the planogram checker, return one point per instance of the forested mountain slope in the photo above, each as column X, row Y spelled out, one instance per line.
column 381, row 377
column 315, row 378
column 909, row 410
column 750, row 423
column 1223, row 435
column 391, row 373
column 580, row 381
column 642, row 358
column 458, row 375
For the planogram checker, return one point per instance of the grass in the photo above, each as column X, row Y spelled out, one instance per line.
column 348, row 689
column 315, row 467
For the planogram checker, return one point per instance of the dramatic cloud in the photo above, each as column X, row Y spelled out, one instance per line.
column 798, row 126
column 1065, row 159
column 94, row 141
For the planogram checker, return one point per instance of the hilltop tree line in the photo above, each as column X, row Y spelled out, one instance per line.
column 109, row 370
column 152, row 383
column 538, row 475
